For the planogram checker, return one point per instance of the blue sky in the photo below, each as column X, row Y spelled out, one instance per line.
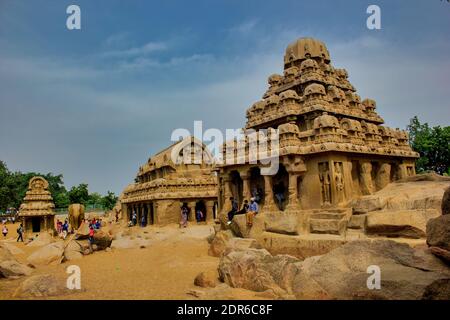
column 94, row 104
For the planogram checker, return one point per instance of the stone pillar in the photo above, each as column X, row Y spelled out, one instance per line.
column 227, row 193
column 383, row 175
column 246, row 192
column 269, row 203
column 209, row 210
column 293, row 191
column 45, row 224
column 191, row 205
column 149, row 213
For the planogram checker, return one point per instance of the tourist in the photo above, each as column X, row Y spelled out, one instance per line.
column 65, row 229
column 234, row 209
column 279, row 194
column 184, row 215
column 5, row 231
column 257, row 194
column 244, row 208
column 98, row 224
column 134, row 218
column 252, row 211
column 58, row 227
column 199, row 215
column 143, row 222
column 91, row 237
column 20, row 233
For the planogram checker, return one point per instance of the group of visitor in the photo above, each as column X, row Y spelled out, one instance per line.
column 11, row 220
column 62, row 228
column 200, row 215
column 250, row 210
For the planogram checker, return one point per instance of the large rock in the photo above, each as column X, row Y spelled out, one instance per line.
column 9, row 266
column 73, row 251
column 82, row 232
column 298, row 246
column 438, row 232
column 40, row 240
column 422, row 192
column 206, row 279
column 41, row 286
column 258, row 270
column 281, row 222
column 343, row 273
column 406, row 273
column 14, row 269
column 219, row 243
column 445, row 206
column 5, row 254
column 407, row 223
column 240, row 229
column 13, row 249
column 50, row 254
column 438, row 290
column 102, row 239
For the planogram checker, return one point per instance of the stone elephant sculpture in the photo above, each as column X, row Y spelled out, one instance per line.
column 76, row 215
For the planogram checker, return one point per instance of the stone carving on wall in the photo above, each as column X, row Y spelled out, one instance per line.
column 366, row 178
column 339, row 181
column 325, row 182
column 383, row 175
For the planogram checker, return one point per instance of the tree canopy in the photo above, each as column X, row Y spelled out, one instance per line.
column 14, row 185
column 433, row 145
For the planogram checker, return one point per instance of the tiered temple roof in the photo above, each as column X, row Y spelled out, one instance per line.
column 38, row 200
column 317, row 109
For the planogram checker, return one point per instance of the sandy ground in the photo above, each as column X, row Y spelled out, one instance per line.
column 165, row 269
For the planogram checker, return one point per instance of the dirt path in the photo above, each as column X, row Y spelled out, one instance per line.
column 165, row 269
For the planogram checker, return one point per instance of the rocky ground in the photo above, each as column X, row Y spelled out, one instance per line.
column 212, row 262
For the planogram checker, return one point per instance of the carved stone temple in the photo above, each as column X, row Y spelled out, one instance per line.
column 333, row 146
column 180, row 174
column 37, row 210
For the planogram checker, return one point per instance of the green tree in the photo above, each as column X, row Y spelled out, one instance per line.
column 95, row 199
column 109, row 201
column 79, row 194
column 433, row 145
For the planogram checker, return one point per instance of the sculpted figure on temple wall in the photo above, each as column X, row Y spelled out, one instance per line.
column 339, row 180
column 366, row 178
column 383, row 175
column 325, row 180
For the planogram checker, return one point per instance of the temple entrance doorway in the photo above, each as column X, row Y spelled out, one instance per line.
column 36, row 224
column 200, row 211
column 280, row 187
column 236, row 187
column 257, row 185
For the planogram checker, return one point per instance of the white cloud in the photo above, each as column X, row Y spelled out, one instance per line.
column 146, row 49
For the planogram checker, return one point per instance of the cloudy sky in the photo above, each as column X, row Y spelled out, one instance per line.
column 94, row 104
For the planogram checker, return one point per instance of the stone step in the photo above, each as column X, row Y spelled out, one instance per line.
column 328, row 215
column 327, row 226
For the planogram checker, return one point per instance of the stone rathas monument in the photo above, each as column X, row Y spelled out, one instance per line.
column 37, row 210
column 333, row 147
column 170, row 179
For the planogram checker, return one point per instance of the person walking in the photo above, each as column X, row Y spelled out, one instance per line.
column 252, row 211
column 184, row 215
column 5, row 231
column 20, row 233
